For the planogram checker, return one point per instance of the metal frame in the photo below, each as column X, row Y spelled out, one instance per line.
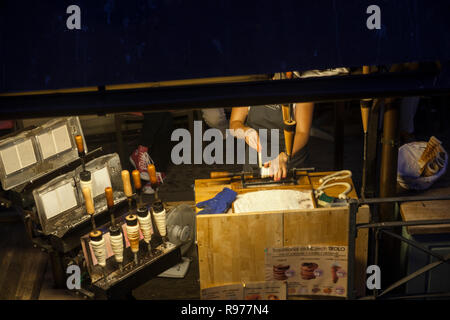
column 349, row 87
column 380, row 227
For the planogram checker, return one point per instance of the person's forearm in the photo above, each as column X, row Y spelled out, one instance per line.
column 303, row 115
column 300, row 141
column 236, row 124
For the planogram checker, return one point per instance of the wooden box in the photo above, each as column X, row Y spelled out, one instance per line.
column 231, row 246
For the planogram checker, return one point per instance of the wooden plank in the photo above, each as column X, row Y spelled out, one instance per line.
column 316, row 227
column 361, row 251
column 330, row 227
column 231, row 247
column 427, row 210
column 22, row 266
column 32, row 276
column 4, row 275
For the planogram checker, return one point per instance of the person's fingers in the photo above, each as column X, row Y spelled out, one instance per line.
column 277, row 175
column 251, row 137
column 271, row 172
column 284, row 171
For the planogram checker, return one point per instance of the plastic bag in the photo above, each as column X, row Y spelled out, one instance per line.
column 408, row 168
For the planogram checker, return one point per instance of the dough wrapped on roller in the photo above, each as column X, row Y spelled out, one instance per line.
column 145, row 223
column 116, row 240
column 98, row 247
column 160, row 217
column 133, row 232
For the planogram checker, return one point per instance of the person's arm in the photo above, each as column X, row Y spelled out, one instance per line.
column 237, row 119
column 303, row 117
column 238, row 116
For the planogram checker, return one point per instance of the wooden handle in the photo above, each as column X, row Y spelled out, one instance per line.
column 126, row 183
column 365, row 111
column 131, row 219
column 289, row 133
column 220, row 174
column 366, row 69
column 79, row 142
column 95, row 234
column 365, row 105
column 286, row 112
column 88, row 200
column 109, row 197
column 136, row 179
column 152, row 173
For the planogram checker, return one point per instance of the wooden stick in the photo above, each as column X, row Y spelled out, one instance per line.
column 89, row 203
column 365, row 106
column 137, row 185
column 153, row 179
column 110, row 203
column 286, row 113
column 218, row 174
column 152, row 173
column 289, row 133
column 127, row 183
column 79, row 142
column 136, row 179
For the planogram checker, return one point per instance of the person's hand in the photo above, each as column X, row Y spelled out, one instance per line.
column 252, row 139
column 278, row 167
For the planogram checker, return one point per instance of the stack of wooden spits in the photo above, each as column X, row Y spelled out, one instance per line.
column 432, row 159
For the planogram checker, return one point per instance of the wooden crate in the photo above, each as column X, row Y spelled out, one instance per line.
column 231, row 246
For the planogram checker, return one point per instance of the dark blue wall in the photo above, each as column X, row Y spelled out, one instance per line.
column 126, row 41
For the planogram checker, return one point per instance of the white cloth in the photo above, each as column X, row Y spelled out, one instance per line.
column 215, row 118
column 273, row 200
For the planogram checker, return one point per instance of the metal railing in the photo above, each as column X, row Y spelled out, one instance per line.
column 382, row 228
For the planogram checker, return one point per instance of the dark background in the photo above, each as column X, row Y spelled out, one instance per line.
column 155, row 40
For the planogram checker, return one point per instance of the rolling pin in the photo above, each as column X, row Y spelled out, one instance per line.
column 248, row 172
column 228, row 174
